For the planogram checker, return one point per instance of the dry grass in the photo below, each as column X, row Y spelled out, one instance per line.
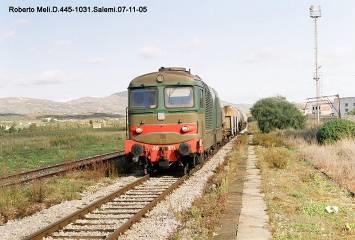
column 23, row 200
column 268, row 140
column 336, row 160
column 296, row 197
column 277, row 157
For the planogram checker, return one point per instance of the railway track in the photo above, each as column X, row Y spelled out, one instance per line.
column 57, row 169
column 110, row 216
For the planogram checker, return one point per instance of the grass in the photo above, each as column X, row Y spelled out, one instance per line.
column 23, row 200
column 277, row 157
column 297, row 194
column 201, row 220
column 42, row 146
column 268, row 140
column 337, row 160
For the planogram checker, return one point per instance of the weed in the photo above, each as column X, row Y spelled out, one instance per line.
column 268, row 140
column 297, row 196
column 277, row 157
column 23, row 200
column 314, row 208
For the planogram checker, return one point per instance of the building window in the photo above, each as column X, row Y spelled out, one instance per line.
column 346, row 104
column 346, row 110
column 354, row 104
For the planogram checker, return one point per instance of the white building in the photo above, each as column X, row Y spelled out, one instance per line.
column 347, row 104
column 311, row 109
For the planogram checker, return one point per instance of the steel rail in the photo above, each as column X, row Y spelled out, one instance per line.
column 136, row 217
column 81, row 212
column 60, row 168
column 59, row 225
column 99, row 205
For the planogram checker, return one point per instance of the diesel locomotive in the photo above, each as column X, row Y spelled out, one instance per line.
column 174, row 119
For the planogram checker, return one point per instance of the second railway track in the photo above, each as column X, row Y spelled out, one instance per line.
column 61, row 168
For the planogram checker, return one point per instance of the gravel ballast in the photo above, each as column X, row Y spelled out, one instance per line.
column 17, row 229
column 159, row 223
column 162, row 221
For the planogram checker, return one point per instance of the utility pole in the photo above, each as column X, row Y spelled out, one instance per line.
column 315, row 13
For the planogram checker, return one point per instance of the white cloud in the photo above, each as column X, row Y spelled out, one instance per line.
column 195, row 42
column 44, row 78
column 260, row 55
column 7, row 35
column 150, row 52
column 62, row 43
column 96, row 60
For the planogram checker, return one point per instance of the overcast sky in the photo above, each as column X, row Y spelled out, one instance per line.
column 244, row 49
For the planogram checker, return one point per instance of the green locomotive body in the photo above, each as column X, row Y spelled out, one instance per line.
column 173, row 118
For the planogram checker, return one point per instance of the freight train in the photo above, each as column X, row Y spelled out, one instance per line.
column 234, row 122
column 173, row 119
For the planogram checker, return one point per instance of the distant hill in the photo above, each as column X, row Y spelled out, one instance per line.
column 113, row 104
column 121, row 94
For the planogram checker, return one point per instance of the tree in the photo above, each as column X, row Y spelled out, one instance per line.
column 277, row 113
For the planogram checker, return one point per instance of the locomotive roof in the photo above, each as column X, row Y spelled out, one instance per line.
column 168, row 76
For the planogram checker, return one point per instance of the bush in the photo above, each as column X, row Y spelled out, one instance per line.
column 268, row 140
column 335, row 130
column 277, row 157
column 277, row 113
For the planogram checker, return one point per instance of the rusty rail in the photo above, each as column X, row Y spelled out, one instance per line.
column 72, row 217
column 59, row 225
column 135, row 218
column 57, row 169
column 54, row 227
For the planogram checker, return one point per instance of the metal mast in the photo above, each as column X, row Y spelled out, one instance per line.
column 315, row 13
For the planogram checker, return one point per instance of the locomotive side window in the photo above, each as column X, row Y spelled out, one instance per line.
column 176, row 97
column 143, row 98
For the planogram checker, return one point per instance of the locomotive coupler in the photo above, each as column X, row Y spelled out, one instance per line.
column 163, row 163
column 135, row 159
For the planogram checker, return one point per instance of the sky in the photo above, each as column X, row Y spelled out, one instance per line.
column 246, row 50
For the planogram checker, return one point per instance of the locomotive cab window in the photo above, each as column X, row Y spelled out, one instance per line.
column 178, row 97
column 143, row 98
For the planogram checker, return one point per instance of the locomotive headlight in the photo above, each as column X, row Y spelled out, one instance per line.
column 185, row 129
column 139, row 130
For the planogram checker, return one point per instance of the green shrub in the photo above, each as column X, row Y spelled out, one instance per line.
column 335, row 130
column 277, row 113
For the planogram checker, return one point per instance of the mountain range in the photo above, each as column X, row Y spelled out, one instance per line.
column 113, row 104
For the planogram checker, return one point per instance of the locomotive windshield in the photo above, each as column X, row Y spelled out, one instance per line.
column 143, row 98
column 179, row 97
